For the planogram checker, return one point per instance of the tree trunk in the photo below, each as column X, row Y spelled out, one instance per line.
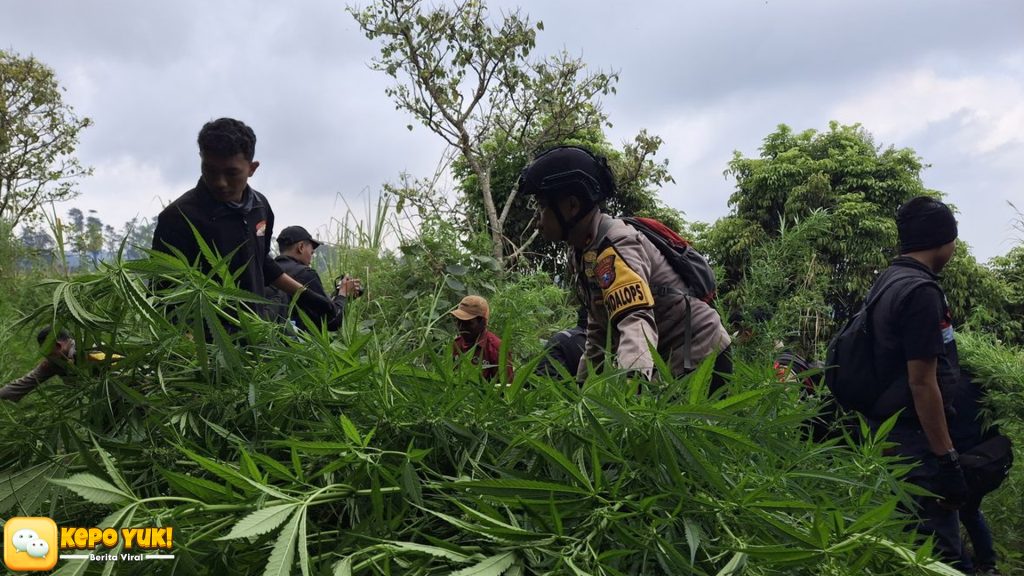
column 494, row 224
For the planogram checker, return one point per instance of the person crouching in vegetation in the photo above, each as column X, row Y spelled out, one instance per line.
column 624, row 280
column 229, row 215
column 296, row 247
column 58, row 359
column 471, row 317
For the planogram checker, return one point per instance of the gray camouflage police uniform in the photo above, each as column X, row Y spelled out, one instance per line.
column 627, row 285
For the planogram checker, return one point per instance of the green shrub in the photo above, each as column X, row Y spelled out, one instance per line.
column 1000, row 369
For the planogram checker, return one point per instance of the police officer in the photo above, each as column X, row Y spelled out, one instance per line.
column 623, row 279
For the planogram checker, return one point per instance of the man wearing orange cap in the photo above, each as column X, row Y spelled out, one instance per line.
column 471, row 316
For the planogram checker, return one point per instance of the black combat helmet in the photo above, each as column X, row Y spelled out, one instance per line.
column 568, row 171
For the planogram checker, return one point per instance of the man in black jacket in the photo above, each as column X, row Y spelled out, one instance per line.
column 296, row 247
column 228, row 214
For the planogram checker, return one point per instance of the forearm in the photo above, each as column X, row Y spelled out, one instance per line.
column 18, row 389
column 931, row 414
column 287, row 284
column 593, row 354
column 637, row 335
column 337, row 316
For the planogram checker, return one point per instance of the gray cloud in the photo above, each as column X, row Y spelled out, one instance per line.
column 709, row 77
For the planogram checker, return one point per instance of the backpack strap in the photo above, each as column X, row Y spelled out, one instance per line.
column 659, row 290
column 884, row 403
column 896, row 278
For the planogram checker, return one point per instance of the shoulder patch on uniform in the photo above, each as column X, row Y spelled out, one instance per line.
column 604, row 271
column 622, row 289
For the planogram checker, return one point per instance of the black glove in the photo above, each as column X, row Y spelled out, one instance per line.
column 950, row 483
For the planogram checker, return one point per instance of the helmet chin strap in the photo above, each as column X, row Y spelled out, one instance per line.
column 568, row 224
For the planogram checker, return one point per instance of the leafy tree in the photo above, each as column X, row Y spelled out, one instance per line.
column 138, row 234
column 979, row 297
column 467, row 79
column 36, row 239
column 836, row 192
column 94, row 237
column 38, row 137
column 1009, row 271
column 84, row 235
column 74, row 232
column 111, row 239
column 842, row 172
column 638, row 177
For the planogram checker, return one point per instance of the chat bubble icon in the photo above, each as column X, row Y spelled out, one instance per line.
column 38, row 548
column 30, row 544
column 22, row 538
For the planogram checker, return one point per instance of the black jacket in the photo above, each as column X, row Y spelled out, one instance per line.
column 309, row 278
column 244, row 230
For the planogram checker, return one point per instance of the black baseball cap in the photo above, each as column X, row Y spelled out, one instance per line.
column 293, row 234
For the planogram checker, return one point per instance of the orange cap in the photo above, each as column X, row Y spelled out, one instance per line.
column 472, row 307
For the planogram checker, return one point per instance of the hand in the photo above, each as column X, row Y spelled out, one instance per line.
column 951, row 485
column 350, row 287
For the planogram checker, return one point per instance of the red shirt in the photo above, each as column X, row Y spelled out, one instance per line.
column 487, row 349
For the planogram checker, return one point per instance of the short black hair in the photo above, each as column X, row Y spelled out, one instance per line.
column 225, row 137
column 44, row 334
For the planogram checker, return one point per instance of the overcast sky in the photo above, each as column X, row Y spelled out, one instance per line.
column 943, row 77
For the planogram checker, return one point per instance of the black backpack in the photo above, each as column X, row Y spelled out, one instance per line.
column 987, row 464
column 851, row 371
column 689, row 264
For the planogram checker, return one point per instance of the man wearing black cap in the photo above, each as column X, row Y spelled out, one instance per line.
column 915, row 350
column 296, row 247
